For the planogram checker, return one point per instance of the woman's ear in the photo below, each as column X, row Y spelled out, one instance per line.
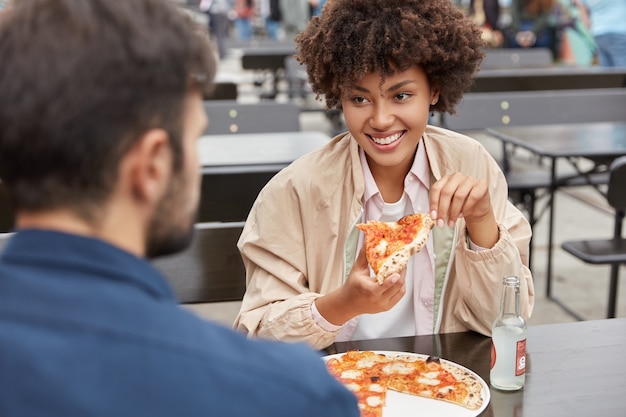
column 434, row 96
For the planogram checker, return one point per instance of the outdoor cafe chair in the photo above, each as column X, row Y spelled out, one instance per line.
column 610, row 251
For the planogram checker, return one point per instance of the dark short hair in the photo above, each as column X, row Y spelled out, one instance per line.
column 352, row 38
column 80, row 82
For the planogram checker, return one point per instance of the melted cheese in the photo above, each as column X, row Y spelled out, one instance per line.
column 373, row 401
column 381, row 248
column 351, row 374
column 428, row 381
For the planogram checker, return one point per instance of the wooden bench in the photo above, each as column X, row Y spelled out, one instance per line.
column 520, row 108
column 229, row 116
column 228, row 197
column 517, row 58
column 210, row 269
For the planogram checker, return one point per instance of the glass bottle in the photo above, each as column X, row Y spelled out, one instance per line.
column 508, row 347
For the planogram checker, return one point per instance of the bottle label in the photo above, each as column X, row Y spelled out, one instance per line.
column 520, row 358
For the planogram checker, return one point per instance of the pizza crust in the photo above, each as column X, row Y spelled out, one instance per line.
column 398, row 261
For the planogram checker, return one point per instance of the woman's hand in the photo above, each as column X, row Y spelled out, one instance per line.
column 455, row 196
column 361, row 294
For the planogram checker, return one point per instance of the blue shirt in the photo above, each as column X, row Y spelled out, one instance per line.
column 87, row 329
column 607, row 16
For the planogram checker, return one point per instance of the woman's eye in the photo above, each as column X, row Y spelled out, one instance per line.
column 402, row 96
column 359, row 100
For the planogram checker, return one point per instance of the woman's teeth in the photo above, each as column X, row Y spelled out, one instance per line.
column 387, row 140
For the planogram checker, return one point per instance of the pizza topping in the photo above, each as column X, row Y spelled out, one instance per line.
column 373, row 373
column 389, row 245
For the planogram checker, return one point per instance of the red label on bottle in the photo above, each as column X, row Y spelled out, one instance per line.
column 520, row 358
column 493, row 355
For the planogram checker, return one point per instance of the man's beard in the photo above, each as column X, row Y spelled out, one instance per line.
column 168, row 232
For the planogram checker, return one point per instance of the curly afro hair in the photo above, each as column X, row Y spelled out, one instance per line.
column 352, row 38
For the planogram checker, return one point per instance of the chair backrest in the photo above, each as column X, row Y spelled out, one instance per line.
column 616, row 193
column 223, row 90
column 518, row 108
column 228, row 116
column 228, row 197
column 517, row 58
column 210, row 269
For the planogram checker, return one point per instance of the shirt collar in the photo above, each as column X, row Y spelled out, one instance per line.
column 420, row 171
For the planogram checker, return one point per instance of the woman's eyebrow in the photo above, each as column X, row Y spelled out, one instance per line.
column 393, row 88
column 399, row 85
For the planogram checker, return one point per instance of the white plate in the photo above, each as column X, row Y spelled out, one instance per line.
column 406, row 405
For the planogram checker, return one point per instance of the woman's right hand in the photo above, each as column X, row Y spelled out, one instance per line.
column 361, row 294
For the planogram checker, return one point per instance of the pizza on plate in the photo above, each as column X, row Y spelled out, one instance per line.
column 370, row 374
column 389, row 245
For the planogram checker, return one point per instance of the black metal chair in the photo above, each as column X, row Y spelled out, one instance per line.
column 607, row 251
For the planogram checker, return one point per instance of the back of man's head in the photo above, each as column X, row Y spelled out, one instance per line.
column 80, row 81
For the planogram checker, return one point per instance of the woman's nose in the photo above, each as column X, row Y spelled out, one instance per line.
column 381, row 117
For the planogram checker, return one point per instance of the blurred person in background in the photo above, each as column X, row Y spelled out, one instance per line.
column 100, row 112
column 532, row 24
column 270, row 11
column 606, row 20
column 295, row 14
column 486, row 14
column 219, row 23
column 244, row 13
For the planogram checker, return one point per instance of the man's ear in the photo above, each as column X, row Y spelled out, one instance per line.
column 149, row 165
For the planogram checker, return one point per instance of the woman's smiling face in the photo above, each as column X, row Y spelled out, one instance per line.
column 389, row 120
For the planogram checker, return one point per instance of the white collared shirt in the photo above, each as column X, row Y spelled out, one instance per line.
column 414, row 312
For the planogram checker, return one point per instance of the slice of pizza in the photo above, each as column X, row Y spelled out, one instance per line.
column 361, row 372
column 389, row 245
column 435, row 379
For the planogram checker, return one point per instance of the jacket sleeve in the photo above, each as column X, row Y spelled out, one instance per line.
column 278, row 298
column 476, row 280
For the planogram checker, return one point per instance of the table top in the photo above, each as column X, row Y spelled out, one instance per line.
column 590, row 140
column 550, row 78
column 256, row 151
column 573, row 369
column 552, row 71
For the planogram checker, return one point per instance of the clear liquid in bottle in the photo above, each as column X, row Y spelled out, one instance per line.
column 508, row 349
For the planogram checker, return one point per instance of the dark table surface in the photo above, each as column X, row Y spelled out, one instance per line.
column 551, row 78
column 589, row 140
column 573, row 369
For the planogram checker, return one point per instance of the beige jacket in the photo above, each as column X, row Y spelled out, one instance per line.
column 300, row 241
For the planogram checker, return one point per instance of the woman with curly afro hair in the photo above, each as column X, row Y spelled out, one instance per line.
column 387, row 64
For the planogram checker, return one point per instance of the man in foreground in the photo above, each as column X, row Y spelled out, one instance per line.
column 100, row 109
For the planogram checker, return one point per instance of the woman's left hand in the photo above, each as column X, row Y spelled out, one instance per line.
column 457, row 195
